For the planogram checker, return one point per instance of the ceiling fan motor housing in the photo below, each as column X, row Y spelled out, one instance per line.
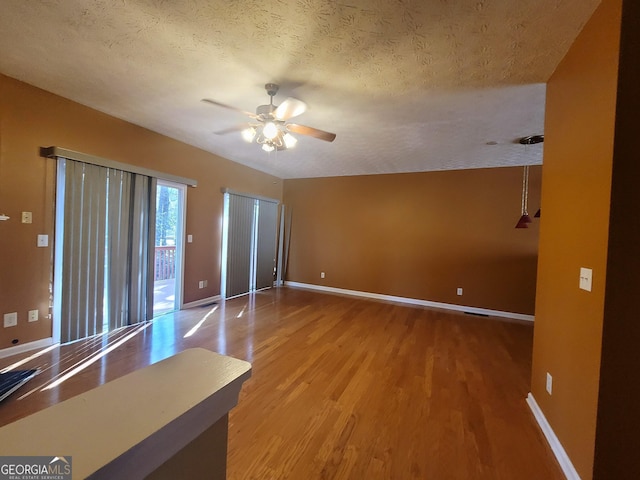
column 265, row 110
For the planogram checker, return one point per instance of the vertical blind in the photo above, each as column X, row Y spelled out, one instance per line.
column 266, row 245
column 83, row 246
column 107, row 218
column 240, row 214
column 249, row 244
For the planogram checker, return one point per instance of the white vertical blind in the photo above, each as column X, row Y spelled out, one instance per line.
column 131, row 226
column 150, row 243
column 103, row 228
column 119, row 197
column 85, row 189
column 249, row 244
column 239, row 241
column 266, row 245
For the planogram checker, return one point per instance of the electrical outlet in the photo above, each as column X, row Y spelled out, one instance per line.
column 10, row 319
column 459, row 291
column 549, row 383
column 33, row 315
column 321, row 274
column 26, row 217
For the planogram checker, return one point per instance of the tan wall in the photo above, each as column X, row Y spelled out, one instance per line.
column 579, row 131
column 31, row 118
column 418, row 235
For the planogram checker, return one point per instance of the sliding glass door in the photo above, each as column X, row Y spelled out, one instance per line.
column 248, row 243
column 168, row 254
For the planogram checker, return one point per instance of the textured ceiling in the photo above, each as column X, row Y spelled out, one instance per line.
column 406, row 85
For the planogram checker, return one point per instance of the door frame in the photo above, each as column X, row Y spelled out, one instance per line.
column 180, row 238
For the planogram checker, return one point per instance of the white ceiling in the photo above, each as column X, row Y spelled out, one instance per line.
column 406, row 85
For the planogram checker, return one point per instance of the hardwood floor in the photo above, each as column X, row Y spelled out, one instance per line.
column 342, row 388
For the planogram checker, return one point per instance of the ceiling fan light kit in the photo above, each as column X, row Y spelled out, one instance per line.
column 248, row 134
column 270, row 127
column 270, row 131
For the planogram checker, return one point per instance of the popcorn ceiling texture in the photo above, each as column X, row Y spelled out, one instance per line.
column 406, row 85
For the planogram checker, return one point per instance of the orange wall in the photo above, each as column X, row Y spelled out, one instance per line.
column 418, row 235
column 579, row 133
column 618, row 424
column 31, row 118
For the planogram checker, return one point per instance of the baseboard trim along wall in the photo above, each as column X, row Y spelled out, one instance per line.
column 556, row 447
column 201, row 302
column 26, row 347
column 414, row 301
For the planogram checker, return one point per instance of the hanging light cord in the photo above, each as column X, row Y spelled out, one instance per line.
column 522, row 197
column 525, row 191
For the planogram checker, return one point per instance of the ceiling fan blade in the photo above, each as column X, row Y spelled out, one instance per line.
column 290, row 108
column 235, row 128
column 224, row 105
column 312, row 132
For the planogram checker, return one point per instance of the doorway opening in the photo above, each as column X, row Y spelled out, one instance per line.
column 167, row 279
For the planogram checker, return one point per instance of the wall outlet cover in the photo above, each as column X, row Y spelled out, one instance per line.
column 43, row 240
column 10, row 319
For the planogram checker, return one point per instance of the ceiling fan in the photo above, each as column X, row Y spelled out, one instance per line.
column 269, row 126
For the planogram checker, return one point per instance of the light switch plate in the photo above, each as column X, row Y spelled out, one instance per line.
column 586, row 277
column 43, row 240
column 27, row 217
column 189, row 238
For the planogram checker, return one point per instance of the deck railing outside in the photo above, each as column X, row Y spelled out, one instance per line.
column 165, row 263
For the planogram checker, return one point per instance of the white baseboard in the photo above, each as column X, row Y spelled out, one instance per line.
column 25, row 347
column 202, row 301
column 562, row 457
column 414, row 301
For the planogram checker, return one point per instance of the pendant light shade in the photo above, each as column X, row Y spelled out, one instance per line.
column 524, row 221
column 537, row 215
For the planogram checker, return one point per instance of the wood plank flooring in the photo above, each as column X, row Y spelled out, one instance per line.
column 342, row 388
